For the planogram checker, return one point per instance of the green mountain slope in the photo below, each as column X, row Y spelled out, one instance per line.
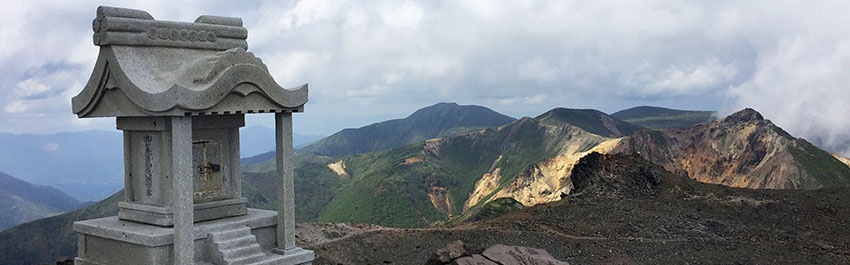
column 425, row 182
column 43, row 241
column 429, row 122
column 590, row 120
column 315, row 185
column 664, row 118
column 22, row 202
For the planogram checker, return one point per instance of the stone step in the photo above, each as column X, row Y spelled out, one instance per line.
column 237, row 242
column 238, row 253
column 239, row 247
column 230, row 234
column 270, row 260
column 258, row 258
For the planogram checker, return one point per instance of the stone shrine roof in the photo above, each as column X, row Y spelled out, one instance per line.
column 150, row 67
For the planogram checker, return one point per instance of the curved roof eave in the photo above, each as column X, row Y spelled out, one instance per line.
column 108, row 74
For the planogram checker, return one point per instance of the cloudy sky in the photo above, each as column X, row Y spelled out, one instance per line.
column 368, row 61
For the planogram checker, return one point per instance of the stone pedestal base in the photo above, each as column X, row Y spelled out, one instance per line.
column 164, row 216
column 107, row 241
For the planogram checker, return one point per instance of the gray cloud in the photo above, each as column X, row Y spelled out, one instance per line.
column 372, row 60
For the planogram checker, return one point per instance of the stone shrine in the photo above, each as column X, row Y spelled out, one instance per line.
column 180, row 92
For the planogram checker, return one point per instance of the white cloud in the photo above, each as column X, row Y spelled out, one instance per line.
column 44, row 94
column 539, row 70
column 692, row 79
column 16, row 107
column 534, row 99
column 804, row 90
column 30, row 87
column 406, row 15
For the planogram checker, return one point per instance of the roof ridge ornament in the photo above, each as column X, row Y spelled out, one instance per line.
column 131, row 27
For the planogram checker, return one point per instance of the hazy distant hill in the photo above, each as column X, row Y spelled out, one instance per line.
column 87, row 165
column 590, row 120
column 429, row 122
column 663, row 118
column 44, row 240
column 22, row 202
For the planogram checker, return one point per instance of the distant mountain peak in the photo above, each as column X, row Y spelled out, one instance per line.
column 444, row 109
column 441, row 119
column 741, row 150
column 590, row 120
column 563, row 109
column 664, row 118
column 745, row 115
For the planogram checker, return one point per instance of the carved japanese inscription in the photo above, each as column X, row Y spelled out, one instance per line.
column 145, row 167
column 148, row 154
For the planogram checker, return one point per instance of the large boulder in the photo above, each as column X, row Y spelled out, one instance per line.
column 519, row 255
column 451, row 252
column 456, row 254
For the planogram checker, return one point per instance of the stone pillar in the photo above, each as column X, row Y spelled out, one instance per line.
column 181, row 179
column 285, row 183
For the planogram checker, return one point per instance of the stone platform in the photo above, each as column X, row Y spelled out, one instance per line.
column 247, row 239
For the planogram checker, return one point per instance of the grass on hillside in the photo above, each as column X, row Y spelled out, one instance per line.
column 387, row 191
column 822, row 166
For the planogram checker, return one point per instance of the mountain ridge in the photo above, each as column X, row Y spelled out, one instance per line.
column 432, row 121
column 590, row 120
column 664, row 118
column 528, row 160
column 740, row 150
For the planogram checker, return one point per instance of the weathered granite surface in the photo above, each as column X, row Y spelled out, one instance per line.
column 110, row 239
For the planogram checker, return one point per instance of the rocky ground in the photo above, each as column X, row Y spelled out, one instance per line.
column 625, row 210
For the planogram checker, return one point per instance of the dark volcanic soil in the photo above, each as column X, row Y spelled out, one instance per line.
column 625, row 210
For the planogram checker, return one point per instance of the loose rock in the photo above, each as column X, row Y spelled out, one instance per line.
column 520, row 255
